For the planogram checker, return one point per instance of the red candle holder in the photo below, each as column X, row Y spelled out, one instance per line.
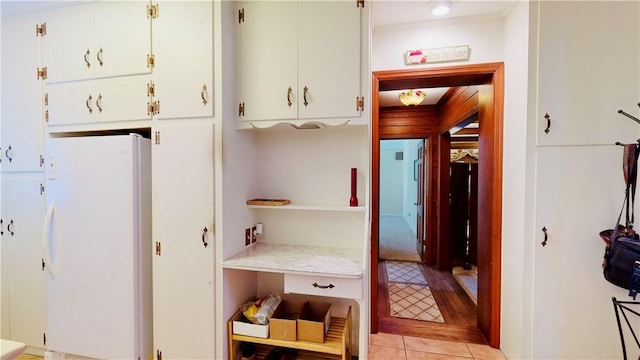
column 353, row 201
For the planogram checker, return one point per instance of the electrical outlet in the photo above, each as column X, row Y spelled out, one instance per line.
column 247, row 236
column 253, row 234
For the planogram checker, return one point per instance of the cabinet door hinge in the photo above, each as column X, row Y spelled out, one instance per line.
column 46, row 116
column 41, row 161
column 153, row 108
column 41, row 30
column 156, row 137
column 151, row 89
column 360, row 3
column 42, row 73
column 151, row 61
column 158, row 248
column 46, row 99
column 153, row 11
column 41, row 188
column 360, row 103
column 158, row 355
column 241, row 16
column 241, row 109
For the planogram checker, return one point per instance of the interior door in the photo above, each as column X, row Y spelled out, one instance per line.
column 421, row 241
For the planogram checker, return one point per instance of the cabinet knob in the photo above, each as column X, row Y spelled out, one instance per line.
column 88, row 104
column 99, row 57
column 6, row 153
column 546, row 116
column 204, row 237
column 86, row 58
column 202, row 94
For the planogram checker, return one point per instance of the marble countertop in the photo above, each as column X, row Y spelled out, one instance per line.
column 298, row 259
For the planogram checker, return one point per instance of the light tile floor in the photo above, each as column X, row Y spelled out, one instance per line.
column 398, row 347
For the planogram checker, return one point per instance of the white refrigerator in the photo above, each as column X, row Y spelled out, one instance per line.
column 97, row 247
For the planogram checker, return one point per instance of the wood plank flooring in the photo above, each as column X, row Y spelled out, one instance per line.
column 458, row 310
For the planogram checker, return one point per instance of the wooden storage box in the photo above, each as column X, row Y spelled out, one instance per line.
column 314, row 321
column 283, row 323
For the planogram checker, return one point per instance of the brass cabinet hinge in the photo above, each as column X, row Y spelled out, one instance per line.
column 156, row 139
column 42, row 73
column 241, row 16
column 153, row 108
column 360, row 3
column 153, row 11
column 151, row 61
column 151, row 89
column 158, row 248
column 158, row 355
column 41, row 30
column 360, row 103
column 241, row 109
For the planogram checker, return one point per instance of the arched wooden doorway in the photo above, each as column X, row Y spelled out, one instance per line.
column 490, row 78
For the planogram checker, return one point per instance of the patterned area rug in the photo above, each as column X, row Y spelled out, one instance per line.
column 405, row 272
column 409, row 293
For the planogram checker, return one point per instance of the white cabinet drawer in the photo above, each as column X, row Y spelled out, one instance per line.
column 323, row 286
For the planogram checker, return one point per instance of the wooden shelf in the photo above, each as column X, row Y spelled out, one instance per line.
column 311, row 207
column 337, row 344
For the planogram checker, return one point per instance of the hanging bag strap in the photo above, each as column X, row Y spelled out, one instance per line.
column 629, row 169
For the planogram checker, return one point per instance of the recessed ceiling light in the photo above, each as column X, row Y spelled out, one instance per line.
column 441, row 8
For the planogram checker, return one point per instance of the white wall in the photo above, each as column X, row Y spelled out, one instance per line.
column 484, row 35
column 391, row 182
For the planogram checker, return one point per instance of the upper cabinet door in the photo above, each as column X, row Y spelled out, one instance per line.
column 267, row 60
column 68, row 48
column 183, row 49
column 329, row 59
column 21, row 117
column 122, row 38
column 588, row 70
column 97, row 40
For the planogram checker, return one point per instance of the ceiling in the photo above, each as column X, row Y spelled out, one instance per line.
column 398, row 12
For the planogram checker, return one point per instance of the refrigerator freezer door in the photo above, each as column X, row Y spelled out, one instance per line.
column 93, row 302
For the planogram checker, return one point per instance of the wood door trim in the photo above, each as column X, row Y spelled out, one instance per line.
column 490, row 77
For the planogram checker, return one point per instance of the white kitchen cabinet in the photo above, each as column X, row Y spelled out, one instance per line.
column 183, row 234
column 22, row 130
column 183, row 39
column 22, row 214
column 575, row 200
column 96, row 40
column 98, row 101
column 587, row 70
column 292, row 67
column 591, row 59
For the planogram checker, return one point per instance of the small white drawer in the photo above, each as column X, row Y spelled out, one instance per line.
column 323, row 286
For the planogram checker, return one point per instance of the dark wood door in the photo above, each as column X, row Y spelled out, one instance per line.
column 463, row 238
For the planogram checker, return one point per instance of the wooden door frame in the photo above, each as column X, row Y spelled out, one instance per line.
column 490, row 77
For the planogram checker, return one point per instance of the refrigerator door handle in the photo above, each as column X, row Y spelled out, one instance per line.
column 46, row 229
